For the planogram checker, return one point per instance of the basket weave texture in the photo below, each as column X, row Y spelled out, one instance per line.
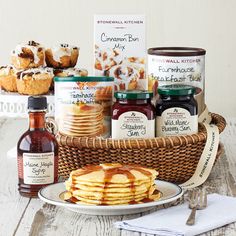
column 175, row 158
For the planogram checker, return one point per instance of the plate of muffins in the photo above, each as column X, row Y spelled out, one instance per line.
column 111, row 189
column 33, row 68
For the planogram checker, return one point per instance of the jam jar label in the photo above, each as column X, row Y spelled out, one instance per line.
column 176, row 121
column 133, row 124
column 38, row 168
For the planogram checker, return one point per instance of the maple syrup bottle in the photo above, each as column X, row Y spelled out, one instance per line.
column 37, row 151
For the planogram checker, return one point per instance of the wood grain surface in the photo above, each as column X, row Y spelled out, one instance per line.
column 22, row 216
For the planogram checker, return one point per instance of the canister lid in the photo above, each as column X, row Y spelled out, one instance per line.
column 83, row 79
column 177, row 51
column 176, row 90
column 133, row 94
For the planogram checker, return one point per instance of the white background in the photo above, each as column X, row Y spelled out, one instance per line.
column 210, row 24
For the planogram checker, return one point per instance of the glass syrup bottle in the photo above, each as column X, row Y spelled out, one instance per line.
column 37, row 151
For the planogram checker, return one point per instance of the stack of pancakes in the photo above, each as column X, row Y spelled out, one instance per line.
column 103, row 96
column 112, row 184
column 82, row 120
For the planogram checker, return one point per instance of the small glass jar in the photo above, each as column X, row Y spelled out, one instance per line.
column 133, row 115
column 176, row 111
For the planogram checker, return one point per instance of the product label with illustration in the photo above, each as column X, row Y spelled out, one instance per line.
column 169, row 70
column 120, row 50
column 38, row 168
column 133, row 124
column 176, row 121
column 83, row 108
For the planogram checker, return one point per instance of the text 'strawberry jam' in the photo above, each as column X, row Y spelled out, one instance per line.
column 133, row 115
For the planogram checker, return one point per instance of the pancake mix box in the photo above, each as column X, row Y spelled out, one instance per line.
column 120, row 49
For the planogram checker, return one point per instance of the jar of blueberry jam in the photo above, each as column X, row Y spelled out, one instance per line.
column 176, row 110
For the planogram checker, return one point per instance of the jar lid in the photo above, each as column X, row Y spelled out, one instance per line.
column 177, row 51
column 176, row 90
column 133, row 94
column 37, row 103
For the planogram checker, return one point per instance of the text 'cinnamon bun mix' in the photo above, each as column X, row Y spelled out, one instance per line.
column 119, row 50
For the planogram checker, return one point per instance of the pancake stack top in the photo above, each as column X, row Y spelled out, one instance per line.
column 112, row 184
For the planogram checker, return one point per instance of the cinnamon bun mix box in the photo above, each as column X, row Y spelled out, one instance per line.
column 120, row 49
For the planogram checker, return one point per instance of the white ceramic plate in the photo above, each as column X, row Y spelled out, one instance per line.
column 51, row 195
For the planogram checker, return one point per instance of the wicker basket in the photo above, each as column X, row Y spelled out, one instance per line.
column 175, row 158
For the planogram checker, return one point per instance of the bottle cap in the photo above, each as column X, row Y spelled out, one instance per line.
column 37, row 103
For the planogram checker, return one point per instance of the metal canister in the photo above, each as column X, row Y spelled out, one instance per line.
column 178, row 65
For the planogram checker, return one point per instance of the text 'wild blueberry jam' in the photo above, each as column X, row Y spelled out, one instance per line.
column 176, row 111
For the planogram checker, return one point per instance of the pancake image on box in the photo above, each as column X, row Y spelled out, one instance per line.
column 112, row 184
column 82, row 120
column 83, row 105
column 103, row 97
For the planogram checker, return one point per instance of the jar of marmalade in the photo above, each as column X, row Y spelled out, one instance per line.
column 133, row 115
column 176, row 110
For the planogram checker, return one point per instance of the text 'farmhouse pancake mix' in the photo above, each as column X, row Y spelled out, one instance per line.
column 83, row 105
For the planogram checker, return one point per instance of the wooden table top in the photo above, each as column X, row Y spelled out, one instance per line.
column 23, row 216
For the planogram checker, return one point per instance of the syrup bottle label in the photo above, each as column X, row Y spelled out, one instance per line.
column 38, row 168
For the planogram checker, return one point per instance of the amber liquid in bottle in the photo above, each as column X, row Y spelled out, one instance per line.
column 37, row 156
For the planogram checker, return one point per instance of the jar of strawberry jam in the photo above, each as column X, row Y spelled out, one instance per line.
column 133, row 115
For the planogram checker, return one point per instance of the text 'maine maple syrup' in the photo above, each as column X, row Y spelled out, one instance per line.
column 37, row 151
